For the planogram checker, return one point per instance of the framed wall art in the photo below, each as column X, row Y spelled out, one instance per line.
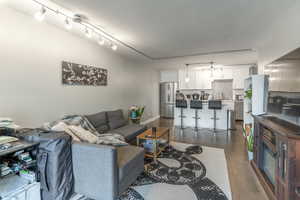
column 78, row 74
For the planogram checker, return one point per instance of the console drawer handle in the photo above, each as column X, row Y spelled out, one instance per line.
column 297, row 191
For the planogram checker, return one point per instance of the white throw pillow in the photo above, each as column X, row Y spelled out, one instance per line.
column 83, row 134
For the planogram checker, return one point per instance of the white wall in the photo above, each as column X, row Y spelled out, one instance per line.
column 280, row 37
column 30, row 83
column 169, row 76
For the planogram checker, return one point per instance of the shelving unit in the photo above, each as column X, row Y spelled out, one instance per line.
column 13, row 186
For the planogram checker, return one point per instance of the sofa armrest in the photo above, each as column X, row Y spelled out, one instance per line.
column 95, row 171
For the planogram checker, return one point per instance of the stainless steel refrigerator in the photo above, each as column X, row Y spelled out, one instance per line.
column 167, row 99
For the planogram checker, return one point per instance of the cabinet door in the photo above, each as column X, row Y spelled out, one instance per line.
column 206, row 79
column 18, row 196
column 239, row 75
column 33, row 193
column 199, row 79
column 182, row 83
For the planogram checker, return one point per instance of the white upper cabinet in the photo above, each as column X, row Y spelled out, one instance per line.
column 201, row 79
column 198, row 79
column 239, row 75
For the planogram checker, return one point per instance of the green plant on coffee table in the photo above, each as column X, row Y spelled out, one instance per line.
column 136, row 113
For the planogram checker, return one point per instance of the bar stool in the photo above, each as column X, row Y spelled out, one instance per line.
column 182, row 104
column 215, row 105
column 197, row 105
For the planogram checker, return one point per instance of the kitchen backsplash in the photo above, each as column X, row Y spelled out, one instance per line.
column 285, row 105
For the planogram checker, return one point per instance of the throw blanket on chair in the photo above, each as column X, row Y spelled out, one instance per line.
column 80, row 129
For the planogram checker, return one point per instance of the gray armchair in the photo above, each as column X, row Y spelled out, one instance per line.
column 104, row 172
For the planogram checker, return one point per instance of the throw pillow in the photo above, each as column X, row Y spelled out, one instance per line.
column 116, row 119
column 61, row 126
column 99, row 121
column 83, row 135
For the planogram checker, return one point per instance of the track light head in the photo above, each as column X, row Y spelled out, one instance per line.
column 88, row 33
column 40, row 15
column 101, row 41
column 114, row 47
column 68, row 23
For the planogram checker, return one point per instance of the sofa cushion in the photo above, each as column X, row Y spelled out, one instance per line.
column 130, row 131
column 130, row 163
column 99, row 121
column 116, row 119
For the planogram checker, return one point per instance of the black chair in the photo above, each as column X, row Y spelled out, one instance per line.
column 215, row 105
column 182, row 104
column 197, row 105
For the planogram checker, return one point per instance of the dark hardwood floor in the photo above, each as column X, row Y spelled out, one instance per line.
column 244, row 184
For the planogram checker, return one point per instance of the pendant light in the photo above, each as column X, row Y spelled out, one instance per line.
column 187, row 78
column 211, row 69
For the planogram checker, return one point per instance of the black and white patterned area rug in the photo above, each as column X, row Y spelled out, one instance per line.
column 183, row 171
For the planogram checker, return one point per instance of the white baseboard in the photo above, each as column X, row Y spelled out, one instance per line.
column 150, row 120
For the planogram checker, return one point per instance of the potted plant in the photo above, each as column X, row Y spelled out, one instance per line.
column 249, row 140
column 250, row 143
column 136, row 113
column 248, row 99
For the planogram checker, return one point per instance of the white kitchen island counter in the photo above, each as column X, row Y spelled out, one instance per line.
column 205, row 116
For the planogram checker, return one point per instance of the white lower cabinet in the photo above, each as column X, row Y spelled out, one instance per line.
column 18, row 196
column 34, row 192
column 29, row 192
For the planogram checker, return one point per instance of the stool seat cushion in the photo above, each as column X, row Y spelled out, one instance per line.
column 196, row 104
column 215, row 104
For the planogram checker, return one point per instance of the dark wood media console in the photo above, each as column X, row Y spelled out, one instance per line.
column 277, row 157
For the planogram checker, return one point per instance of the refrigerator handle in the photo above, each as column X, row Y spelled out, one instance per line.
column 169, row 98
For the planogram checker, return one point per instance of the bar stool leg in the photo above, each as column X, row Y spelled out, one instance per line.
column 181, row 119
column 215, row 120
column 197, row 119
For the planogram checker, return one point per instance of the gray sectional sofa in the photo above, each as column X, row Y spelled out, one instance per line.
column 104, row 172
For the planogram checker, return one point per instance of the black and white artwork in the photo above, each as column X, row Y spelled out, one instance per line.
column 77, row 74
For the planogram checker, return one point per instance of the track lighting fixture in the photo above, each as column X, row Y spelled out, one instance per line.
column 72, row 19
column 40, row 15
column 68, row 24
column 114, row 47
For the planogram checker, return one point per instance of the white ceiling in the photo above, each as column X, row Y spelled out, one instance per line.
column 170, row 28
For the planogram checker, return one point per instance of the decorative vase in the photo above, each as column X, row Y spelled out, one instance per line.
column 133, row 115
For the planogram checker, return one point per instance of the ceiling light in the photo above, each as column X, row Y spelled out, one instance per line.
column 68, row 24
column 212, row 69
column 40, row 16
column 187, row 78
column 88, row 32
column 114, row 47
column 101, row 41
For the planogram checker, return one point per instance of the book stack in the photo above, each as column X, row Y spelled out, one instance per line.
column 8, row 123
column 4, row 170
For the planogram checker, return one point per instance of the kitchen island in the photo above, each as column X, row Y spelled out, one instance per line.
column 205, row 116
